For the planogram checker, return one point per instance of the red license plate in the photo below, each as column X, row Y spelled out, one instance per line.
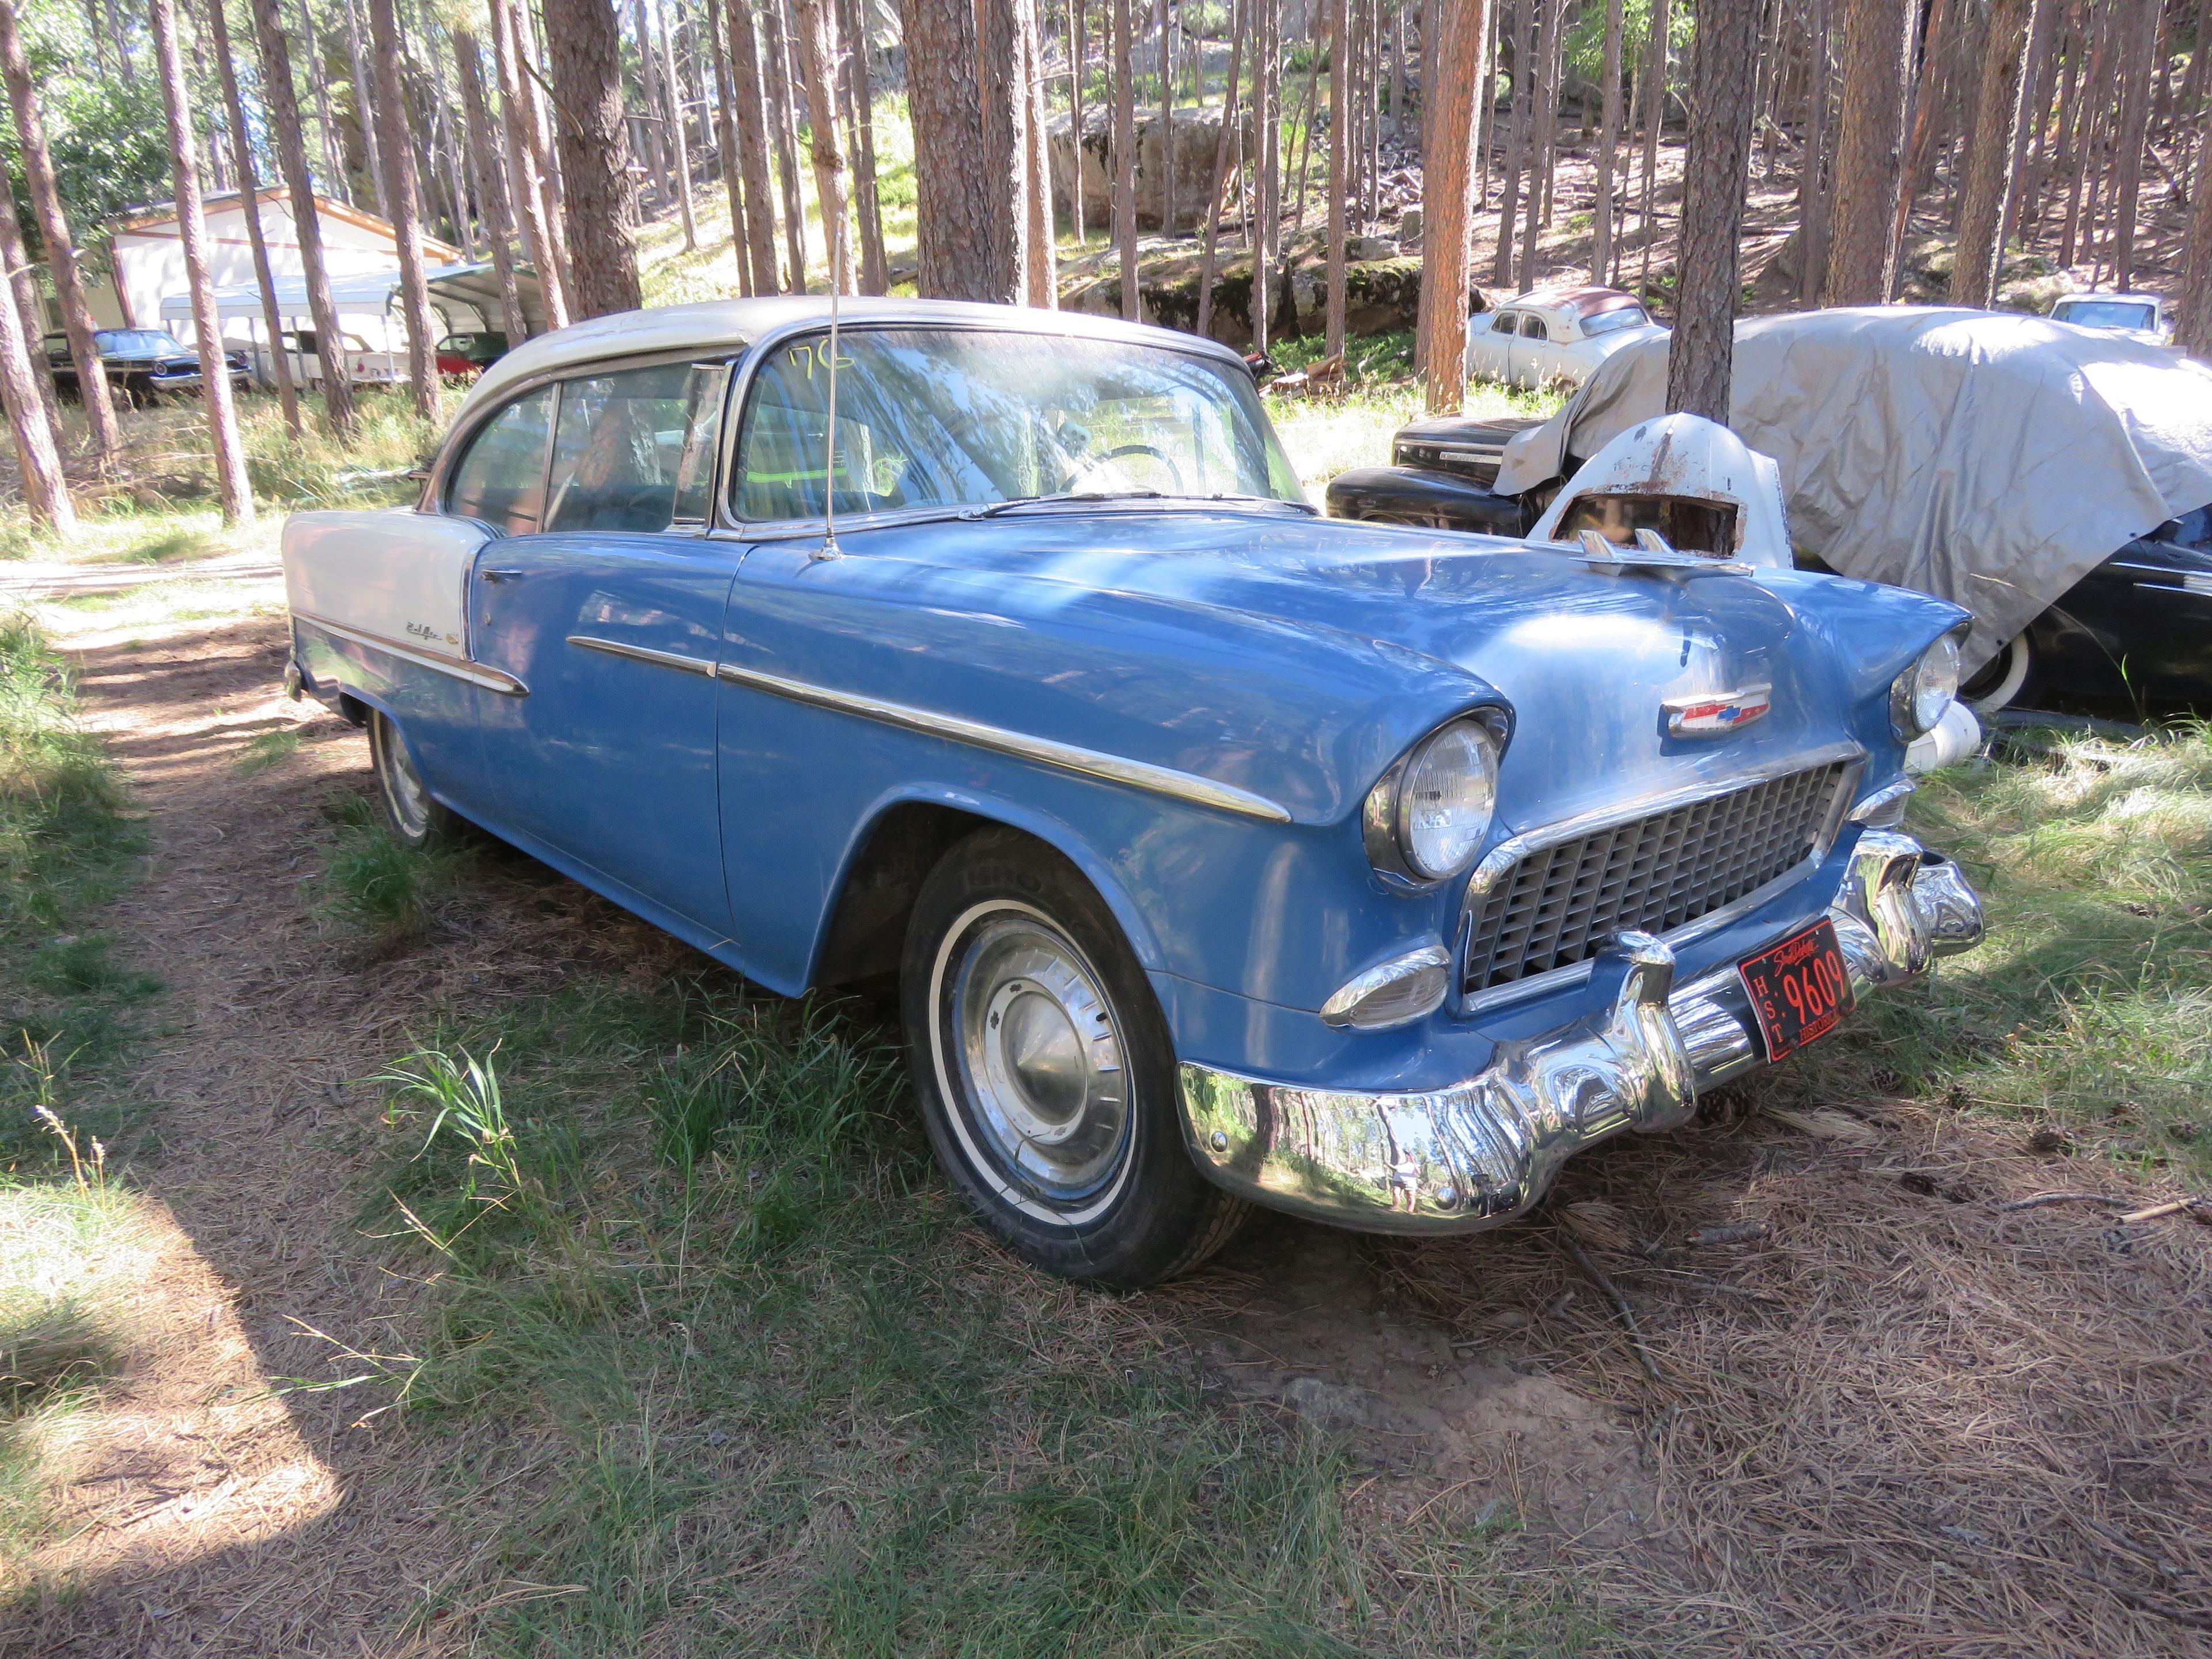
column 1799, row 988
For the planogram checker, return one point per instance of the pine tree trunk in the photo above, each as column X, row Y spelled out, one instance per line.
column 249, row 186
column 1516, row 139
column 1040, row 263
column 1005, row 145
column 1448, row 197
column 1608, row 141
column 2138, row 29
column 30, row 303
column 1224, row 147
column 1340, row 164
column 46, row 491
column 231, row 486
column 952, row 250
column 1544, row 125
column 491, row 183
column 1267, row 181
column 398, row 144
column 595, row 183
column 749, row 100
column 60, row 252
column 1125, row 161
column 814, row 22
column 783, row 126
column 1715, row 173
column 2193, row 323
column 1814, row 171
column 283, row 109
column 1877, row 58
column 1655, row 103
column 537, row 98
column 1991, row 149
column 533, row 192
column 672, row 100
column 364, row 100
column 726, row 129
column 875, row 268
column 1928, row 105
column 1077, row 65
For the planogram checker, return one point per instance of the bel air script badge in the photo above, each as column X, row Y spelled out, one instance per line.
column 1715, row 714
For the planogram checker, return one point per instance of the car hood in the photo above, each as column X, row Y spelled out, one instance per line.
column 1380, row 632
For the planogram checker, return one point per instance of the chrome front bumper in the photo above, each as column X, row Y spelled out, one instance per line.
column 1484, row 1150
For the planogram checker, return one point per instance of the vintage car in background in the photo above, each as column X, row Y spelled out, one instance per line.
column 2051, row 479
column 364, row 364
column 1554, row 334
column 2139, row 316
column 1225, row 853
column 143, row 364
column 464, row 357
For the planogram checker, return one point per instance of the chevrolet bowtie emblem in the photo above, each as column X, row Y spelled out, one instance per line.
column 1715, row 714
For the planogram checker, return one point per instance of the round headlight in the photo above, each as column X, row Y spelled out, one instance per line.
column 1923, row 692
column 1445, row 799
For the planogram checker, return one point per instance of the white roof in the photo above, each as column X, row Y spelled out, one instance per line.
column 363, row 291
column 731, row 325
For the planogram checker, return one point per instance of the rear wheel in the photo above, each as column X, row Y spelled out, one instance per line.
column 409, row 812
column 1045, row 1073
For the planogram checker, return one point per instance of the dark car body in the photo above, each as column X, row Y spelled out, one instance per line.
column 464, row 356
column 2132, row 639
column 142, row 362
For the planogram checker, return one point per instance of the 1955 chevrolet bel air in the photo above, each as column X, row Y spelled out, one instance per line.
column 1227, row 854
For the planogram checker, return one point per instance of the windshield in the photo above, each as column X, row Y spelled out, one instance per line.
column 2106, row 313
column 970, row 417
column 1606, row 321
column 137, row 342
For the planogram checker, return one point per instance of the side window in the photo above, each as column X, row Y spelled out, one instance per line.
column 784, row 449
column 501, row 478
column 1506, row 323
column 1532, row 328
column 634, row 451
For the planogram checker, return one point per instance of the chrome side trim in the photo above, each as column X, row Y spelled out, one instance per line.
column 643, row 653
column 491, row 679
column 1066, row 757
column 1508, row 853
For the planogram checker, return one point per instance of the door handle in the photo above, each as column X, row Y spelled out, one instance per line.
column 502, row 575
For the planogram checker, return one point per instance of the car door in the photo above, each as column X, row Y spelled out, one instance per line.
column 605, row 598
column 1532, row 351
column 1490, row 350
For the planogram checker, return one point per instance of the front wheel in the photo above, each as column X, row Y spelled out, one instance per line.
column 414, row 819
column 1045, row 1073
column 1999, row 680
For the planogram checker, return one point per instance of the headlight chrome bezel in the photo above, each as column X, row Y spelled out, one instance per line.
column 1906, row 690
column 1383, row 815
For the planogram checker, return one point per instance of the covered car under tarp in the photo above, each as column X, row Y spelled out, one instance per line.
column 1991, row 459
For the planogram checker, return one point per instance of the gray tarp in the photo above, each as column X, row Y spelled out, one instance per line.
column 1991, row 459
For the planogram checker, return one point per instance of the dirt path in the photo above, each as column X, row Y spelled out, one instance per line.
column 206, row 1513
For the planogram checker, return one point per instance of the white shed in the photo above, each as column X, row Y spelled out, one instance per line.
column 149, row 255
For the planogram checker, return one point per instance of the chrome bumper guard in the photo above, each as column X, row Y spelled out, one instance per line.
column 1484, row 1150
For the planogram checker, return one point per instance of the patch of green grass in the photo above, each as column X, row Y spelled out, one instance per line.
column 65, row 847
column 2088, row 1008
column 376, row 882
column 178, row 542
column 266, row 749
column 798, row 1405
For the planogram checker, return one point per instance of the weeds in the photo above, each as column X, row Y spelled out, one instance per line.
column 266, row 749
column 376, row 882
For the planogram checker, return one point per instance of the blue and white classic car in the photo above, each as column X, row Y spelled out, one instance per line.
column 1226, row 853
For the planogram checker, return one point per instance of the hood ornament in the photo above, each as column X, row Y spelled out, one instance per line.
column 1716, row 714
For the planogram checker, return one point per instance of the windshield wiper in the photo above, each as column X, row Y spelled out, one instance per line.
column 997, row 507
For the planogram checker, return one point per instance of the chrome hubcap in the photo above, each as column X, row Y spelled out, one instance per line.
column 1039, row 1055
column 402, row 789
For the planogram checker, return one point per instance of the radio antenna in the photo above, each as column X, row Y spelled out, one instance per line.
column 829, row 439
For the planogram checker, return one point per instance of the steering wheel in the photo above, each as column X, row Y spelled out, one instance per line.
column 1091, row 462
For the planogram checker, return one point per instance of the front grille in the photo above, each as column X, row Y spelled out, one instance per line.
column 1558, row 904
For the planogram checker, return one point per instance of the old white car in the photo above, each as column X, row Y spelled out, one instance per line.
column 1555, row 334
column 2139, row 316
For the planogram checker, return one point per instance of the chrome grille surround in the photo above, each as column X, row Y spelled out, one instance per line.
column 1541, row 905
